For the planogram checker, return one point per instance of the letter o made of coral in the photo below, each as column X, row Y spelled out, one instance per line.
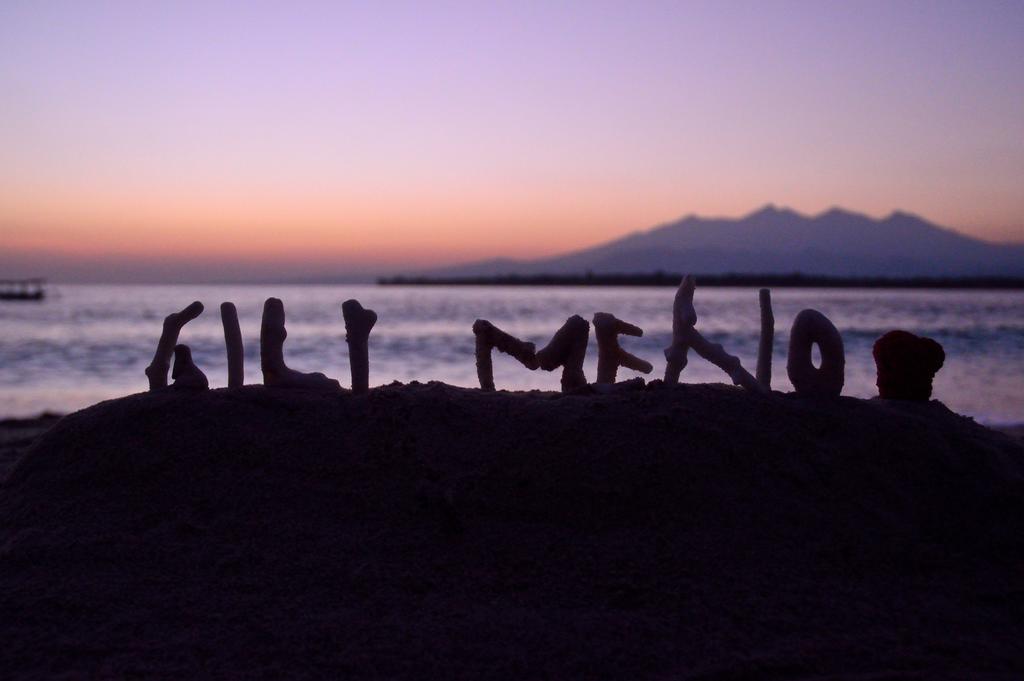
column 809, row 327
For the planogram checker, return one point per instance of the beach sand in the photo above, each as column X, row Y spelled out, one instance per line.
column 17, row 435
column 426, row 531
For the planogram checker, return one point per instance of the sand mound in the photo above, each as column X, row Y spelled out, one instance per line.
column 693, row 532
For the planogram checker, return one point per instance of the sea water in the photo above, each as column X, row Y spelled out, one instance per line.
column 87, row 343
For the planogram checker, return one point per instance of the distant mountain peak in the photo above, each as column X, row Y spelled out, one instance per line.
column 903, row 215
column 837, row 211
column 771, row 212
column 771, row 239
column 768, row 209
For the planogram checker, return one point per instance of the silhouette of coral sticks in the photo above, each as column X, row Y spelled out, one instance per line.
column 686, row 336
column 185, row 373
column 610, row 355
column 766, row 344
column 489, row 336
column 276, row 373
column 683, row 316
column 233, row 345
column 567, row 349
column 358, row 323
column 158, row 368
column 810, row 327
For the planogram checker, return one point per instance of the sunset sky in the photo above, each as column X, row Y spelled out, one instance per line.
column 239, row 140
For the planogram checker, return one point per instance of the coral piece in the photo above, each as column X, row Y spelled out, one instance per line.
column 686, row 336
column 717, row 355
column 809, row 327
column 906, row 365
column 233, row 343
column 358, row 323
column 684, row 317
column 765, row 346
column 489, row 336
column 185, row 373
column 610, row 355
column 567, row 349
column 158, row 368
column 276, row 373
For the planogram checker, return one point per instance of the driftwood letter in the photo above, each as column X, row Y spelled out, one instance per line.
column 489, row 336
column 567, row 349
column 358, row 323
column 233, row 344
column 185, row 373
column 764, row 348
column 276, row 373
column 809, row 327
column 157, row 369
column 686, row 336
column 610, row 355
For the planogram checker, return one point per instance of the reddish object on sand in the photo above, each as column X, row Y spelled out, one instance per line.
column 906, row 365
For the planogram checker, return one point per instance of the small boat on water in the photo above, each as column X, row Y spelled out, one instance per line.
column 22, row 289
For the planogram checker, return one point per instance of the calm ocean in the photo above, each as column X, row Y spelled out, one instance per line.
column 89, row 343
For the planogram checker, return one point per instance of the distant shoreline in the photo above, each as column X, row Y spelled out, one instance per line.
column 742, row 280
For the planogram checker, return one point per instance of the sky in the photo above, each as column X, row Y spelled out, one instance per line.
column 172, row 141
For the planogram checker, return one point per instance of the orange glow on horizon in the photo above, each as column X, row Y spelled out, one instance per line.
column 419, row 229
column 414, row 230
column 325, row 231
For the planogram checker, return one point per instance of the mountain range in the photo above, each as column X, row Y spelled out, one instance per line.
column 777, row 241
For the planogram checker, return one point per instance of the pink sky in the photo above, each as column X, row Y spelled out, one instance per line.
column 275, row 139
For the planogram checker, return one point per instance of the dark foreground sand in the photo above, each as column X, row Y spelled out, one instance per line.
column 17, row 435
column 432, row 532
